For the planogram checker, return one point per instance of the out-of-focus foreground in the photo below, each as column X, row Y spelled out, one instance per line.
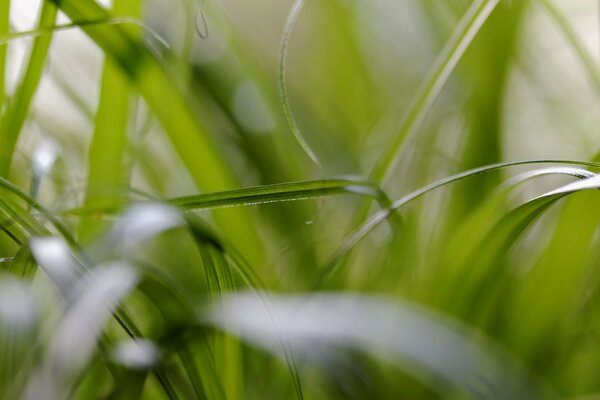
column 360, row 199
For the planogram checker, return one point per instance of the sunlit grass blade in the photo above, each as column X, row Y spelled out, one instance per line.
column 359, row 233
column 172, row 107
column 106, row 159
column 16, row 113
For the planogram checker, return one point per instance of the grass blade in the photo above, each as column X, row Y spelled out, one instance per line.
column 4, row 29
column 16, row 113
column 172, row 108
column 283, row 94
column 334, row 261
column 106, row 164
column 292, row 191
column 453, row 51
column 574, row 41
column 406, row 335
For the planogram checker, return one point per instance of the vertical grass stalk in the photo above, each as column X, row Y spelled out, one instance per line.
column 106, row 161
column 4, row 30
column 16, row 112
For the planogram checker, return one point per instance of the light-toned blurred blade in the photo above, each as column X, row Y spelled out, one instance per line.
column 418, row 340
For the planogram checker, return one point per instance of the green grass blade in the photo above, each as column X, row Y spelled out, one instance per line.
column 228, row 353
column 106, row 164
column 480, row 272
column 4, row 29
column 283, row 94
column 334, row 261
column 47, row 30
column 203, row 235
column 199, row 154
column 16, row 113
column 557, row 283
column 292, row 191
column 281, row 192
column 453, row 51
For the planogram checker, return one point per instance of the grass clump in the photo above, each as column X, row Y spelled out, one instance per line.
column 205, row 205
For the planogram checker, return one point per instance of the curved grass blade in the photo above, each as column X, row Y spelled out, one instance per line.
column 23, row 264
column 556, row 285
column 359, row 233
column 488, row 254
column 68, row 272
column 80, row 330
column 204, row 235
column 178, row 315
column 467, row 29
column 16, row 113
column 467, row 237
column 575, row 172
column 172, row 108
column 281, row 81
column 413, row 338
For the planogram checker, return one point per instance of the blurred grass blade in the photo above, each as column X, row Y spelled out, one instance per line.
column 281, row 80
column 56, row 259
column 4, row 30
column 559, row 281
column 204, row 236
column 141, row 222
column 106, row 160
column 8, row 37
column 475, row 232
column 16, row 113
column 334, row 261
column 467, row 29
column 489, row 253
column 411, row 337
column 79, row 331
column 226, row 348
column 203, row 160
column 576, row 44
column 43, row 159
